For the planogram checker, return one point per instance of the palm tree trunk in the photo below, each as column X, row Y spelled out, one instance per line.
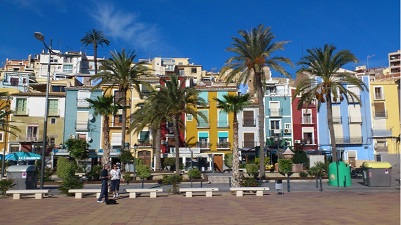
column 236, row 176
column 124, row 118
column 158, row 148
column 95, row 55
column 106, row 140
column 261, row 119
column 177, row 145
column 331, row 128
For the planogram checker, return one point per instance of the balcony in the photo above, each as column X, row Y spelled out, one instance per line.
column 29, row 139
column 203, row 125
column 275, row 112
column 249, row 144
column 381, row 148
column 82, row 103
column 380, row 114
column 144, row 143
column 337, row 119
column 81, row 126
column 355, row 119
column 249, row 122
column 308, row 141
column 307, row 120
column 225, row 145
column 223, row 124
column 348, row 140
column 381, row 133
column 54, row 112
column 379, row 96
column 23, row 112
column 275, row 132
column 203, row 145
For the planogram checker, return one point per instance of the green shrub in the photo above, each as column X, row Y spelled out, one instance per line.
column 143, row 171
column 173, row 179
column 267, row 161
column 228, row 160
column 249, row 182
column 169, row 162
column 194, row 173
column 70, row 183
column 285, row 166
column 65, row 168
column 252, row 169
column 300, row 157
column 303, row 174
column 127, row 177
column 94, row 173
column 5, row 185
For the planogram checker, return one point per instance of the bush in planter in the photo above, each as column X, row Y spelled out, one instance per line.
column 252, row 169
column 169, row 162
column 94, row 173
column 249, row 182
column 70, row 183
column 143, row 171
column 194, row 173
column 228, row 160
column 173, row 179
column 5, row 185
column 300, row 157
column 127, row 177
column 303, row 174
column 65, row 168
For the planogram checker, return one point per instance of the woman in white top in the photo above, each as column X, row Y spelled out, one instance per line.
column 115, row 175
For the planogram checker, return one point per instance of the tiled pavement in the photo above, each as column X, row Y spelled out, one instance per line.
column 327, row 207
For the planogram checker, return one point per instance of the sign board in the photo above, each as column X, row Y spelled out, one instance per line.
column 23, row 174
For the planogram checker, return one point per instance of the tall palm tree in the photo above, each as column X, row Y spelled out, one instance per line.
column 95, row 38
column 234, row 104
column 180, row 100
column 104, row 106
column 119, row 71
column 151, row 114
column 253, row 51
column 325, row 64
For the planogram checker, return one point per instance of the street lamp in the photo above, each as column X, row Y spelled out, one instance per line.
column 39, row 36
column 135, row 148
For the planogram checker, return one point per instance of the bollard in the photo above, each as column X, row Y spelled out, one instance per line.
column 229, row 181
column 201, row 183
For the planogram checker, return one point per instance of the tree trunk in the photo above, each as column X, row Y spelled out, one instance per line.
column 156, row 134
column 95, row 55
column 235, row 166
column 261, row 119
column 331, row 128
column 124, row 118
column 106, row 140
column 177, row 145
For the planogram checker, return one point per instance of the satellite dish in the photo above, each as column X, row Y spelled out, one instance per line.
column 91, row 117
column 88, row 139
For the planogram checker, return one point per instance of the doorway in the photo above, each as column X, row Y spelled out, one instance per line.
column 218, row 163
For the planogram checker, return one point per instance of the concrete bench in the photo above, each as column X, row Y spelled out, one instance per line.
column 79, row 192
column 188, row 191
column 151, row 191
column 240, row 190
column 38, row 193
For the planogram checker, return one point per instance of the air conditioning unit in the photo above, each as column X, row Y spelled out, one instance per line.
column 287, row 131
column 297, row 141
column 71, row 136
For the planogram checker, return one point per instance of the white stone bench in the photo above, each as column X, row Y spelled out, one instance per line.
column 188, row 191
column 38, row 193
column 240, row 190
column 79, row 192
column 151, row 191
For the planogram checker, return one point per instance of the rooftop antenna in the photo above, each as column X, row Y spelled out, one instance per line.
column 367, row 61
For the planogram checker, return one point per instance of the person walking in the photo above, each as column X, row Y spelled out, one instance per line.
column 115, row 176
column 104, row 176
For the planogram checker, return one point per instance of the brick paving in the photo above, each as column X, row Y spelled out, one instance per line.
column 331, row 207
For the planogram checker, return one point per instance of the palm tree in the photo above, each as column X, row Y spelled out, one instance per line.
column 95, row 38
column 179, row 100
column 151, row 114
column 325, row 64
column 104, row 106
column 253, row 51
column 234, row 104
column 120, row 71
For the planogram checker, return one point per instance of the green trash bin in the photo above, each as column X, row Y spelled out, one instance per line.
column 376, row 174
column 339, row 174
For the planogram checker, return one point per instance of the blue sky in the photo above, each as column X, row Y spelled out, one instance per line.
column 202, row 29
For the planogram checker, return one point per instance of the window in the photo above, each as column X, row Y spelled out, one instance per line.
column 201, row 122
column 115, row 140
column 220, row 95
column 306, row 116
column 82, row 120
column 144, row 136
column 271, row 90
column 52, row 141
column 21, row 106
column 53, row 107
column 14, row 148
column 249, row 140
column 1, row 136
column 379, row 93
column 32, row 133
column 275, row 128
column 67, row 68
column 189, row 117
column 203, row 139
column 274, row 108
column 118, row 120
column 204, row 96
column 380, row 111
column 118, row 97
column 52, row 120
column 249, row 119
column 81, row 100
column 193, row 70
column 308, row 138
column 223, row 137
column 222, row 118
column 355, row 90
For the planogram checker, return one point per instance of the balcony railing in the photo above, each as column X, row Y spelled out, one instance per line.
column 203, row 125
column 144, row 143
column 81, row 126
column 202, row 145
column 381, row 133
column 355, row 119
column 29, row 139
column 21, row 112
column 307, row 120
column 54, row 112
column 381, row 148
column 82, row 103
column 249, row 122
column 275, row 132
column 275, row 112
column 223, row 145
column 337, row 119
column 222, row 124
column 308, row 141
column 379, row 96
column 249, row 144
column 380, row 114
column 348, row 140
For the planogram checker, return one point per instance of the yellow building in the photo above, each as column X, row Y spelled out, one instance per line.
column 214, row 136
column 386, row 120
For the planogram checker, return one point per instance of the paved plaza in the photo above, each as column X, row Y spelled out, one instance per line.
column 331, row 206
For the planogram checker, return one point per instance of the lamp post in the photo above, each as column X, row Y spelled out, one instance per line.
column 135, row 148
column 39, row 36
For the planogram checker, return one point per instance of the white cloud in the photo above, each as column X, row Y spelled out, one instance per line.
column 126, row 26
